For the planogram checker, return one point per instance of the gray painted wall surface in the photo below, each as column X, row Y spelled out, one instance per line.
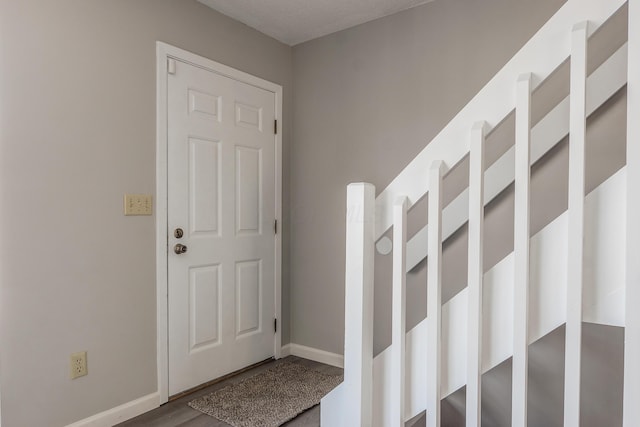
column 77, row 107
column 366, row 101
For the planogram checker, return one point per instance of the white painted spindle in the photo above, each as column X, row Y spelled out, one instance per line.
column 631, row 408
column 475, row 274
column 398, row 316
column 577, row 134
column 521, row 253
column 358, row 334
column 434, row 294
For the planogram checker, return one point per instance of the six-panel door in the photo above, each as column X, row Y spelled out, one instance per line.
column 221, row 193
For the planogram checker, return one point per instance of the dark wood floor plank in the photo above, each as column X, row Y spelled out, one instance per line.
column 166, row 415
column 204, row 420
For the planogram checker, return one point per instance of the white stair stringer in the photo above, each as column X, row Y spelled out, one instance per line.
column 331, row 408
column 540, row 56
column 604, row 303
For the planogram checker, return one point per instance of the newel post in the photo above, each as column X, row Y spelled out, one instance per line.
column 358, row 334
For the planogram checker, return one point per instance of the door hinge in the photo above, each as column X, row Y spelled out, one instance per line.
column 275, row 226
column 171, row 66
column 275, row 325
column 275, row 127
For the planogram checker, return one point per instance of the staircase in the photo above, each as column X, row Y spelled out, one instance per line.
column 580, row 268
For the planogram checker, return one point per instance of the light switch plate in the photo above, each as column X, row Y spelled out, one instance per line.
column 138, row 204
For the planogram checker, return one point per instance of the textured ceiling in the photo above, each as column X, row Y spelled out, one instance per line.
column 296, row 21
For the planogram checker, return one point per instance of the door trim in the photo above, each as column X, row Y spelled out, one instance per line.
column 164, row 52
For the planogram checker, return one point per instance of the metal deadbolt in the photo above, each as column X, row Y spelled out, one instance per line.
column 179, row 248
column 178, row 233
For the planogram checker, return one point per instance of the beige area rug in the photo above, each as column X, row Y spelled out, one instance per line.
column 269, row 398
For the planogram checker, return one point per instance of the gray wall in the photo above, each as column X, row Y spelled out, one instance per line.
column 366, row 101
column 77, row 101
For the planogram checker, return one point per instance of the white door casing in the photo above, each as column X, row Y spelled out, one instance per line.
column 221, row 161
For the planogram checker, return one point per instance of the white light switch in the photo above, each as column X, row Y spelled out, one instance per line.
column 138, row 204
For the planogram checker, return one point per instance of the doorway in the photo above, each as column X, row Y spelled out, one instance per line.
column 218, row 202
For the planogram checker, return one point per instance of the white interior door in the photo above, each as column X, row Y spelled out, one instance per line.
column 221, row 194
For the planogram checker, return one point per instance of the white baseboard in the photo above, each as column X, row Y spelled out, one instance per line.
column 121, row 413
column 285, row 350
column 315, row 354
column 151, row 401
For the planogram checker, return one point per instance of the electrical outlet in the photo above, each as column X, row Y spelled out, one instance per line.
column 138, row 204
column 79, row 365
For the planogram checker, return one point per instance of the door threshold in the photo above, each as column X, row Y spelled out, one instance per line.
column 217, row 380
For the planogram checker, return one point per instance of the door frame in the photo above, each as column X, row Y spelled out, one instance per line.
column 165, row 52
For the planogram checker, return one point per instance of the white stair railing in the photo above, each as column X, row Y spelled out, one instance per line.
column 604, row 244
column 450, row 348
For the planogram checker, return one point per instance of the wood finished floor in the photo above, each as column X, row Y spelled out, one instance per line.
column 178, row 413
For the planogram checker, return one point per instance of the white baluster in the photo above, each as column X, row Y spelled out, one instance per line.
column 577, row 133
column 398, row 317
column 631, row 408
column 434, row 295
column 521, row 252
column 475, row 274
column 358, row 334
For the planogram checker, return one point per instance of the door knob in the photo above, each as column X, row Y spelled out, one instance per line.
column 180, row 249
